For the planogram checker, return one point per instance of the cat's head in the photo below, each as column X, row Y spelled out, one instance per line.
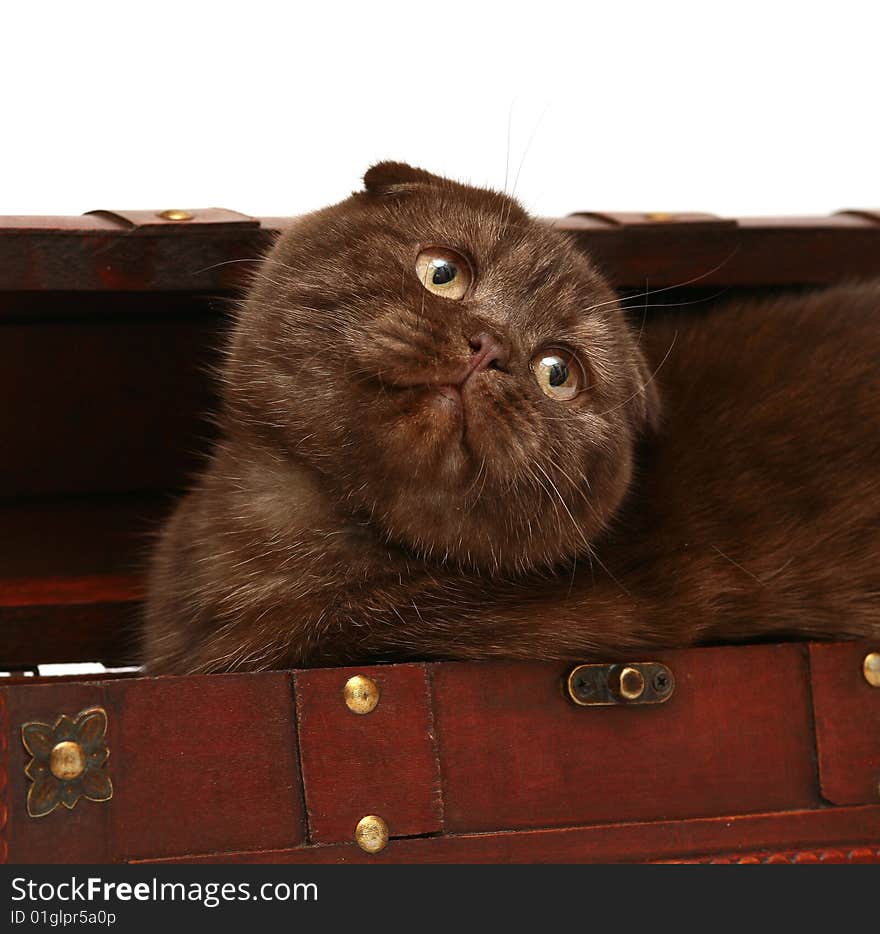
column 456, row 371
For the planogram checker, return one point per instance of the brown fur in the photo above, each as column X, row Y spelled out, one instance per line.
column 348, row 514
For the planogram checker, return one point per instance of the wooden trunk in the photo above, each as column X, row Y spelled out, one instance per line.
column 109, row 324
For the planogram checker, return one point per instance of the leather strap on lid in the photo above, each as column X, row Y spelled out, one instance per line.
column 866, row 213
column 658, row 219
column 184, row 220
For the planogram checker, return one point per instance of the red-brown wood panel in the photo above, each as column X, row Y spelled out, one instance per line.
column 847, row 711
column 81, row 619
column 81, row 835
column 98, row 631
column 89, row 257
column 66, row 537
column 735, row 737
column 753, row 254
column 71, row 575
column 104, row 405
column 197, row 764
column 838, row 829
column 86, row 254
column 383, row 762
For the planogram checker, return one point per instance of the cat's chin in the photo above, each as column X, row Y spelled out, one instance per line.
column 457, row 440
column 446, row 402
column 442, row 444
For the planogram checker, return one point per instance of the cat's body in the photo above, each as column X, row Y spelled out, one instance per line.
column 400, row 478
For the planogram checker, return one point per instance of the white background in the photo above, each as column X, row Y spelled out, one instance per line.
column 277, row 108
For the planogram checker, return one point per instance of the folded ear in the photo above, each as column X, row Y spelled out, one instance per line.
column 382, row 178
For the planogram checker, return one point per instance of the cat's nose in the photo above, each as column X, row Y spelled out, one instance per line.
column 489, row 351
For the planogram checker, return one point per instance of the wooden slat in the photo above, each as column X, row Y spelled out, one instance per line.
column 833, row 827
column 847, row 712
column 736, row 737
column 77, row 591
column 93, row 631
column 657, row 257
column 76, row 537
column 382, row 763
column 71, row 577
column 201, row 763
column 97, row 260
column 92, row 254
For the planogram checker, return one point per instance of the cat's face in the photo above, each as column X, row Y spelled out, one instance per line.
column 457, row 372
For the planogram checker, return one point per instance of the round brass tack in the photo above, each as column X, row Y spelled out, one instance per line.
column 361, row 694
column 659, row 216
column 632, row 683
column 371, row 834
column 871, row 669
column 67, row 761
column 176, row 214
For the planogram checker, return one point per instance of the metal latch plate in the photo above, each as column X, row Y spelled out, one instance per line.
column 628, row 683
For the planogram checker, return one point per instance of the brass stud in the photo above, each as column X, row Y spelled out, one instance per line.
column 631, row 684
column 67, row 761
column 176, row 214
column 871, row 669
column 361, row 694
column 659, row 216
column 371, row 834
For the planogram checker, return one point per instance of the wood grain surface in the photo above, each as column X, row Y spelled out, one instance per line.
column 383, row 762
column 735, row 737
column 840, row 829
column 847, row 712
column 197, row 764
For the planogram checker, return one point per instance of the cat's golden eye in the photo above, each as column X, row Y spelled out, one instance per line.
column 444, row 272
column 559, row 373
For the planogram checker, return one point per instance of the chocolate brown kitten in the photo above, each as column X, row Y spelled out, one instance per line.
column 441, row 439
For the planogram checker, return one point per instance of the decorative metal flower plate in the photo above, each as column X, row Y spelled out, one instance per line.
column 67, row 761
